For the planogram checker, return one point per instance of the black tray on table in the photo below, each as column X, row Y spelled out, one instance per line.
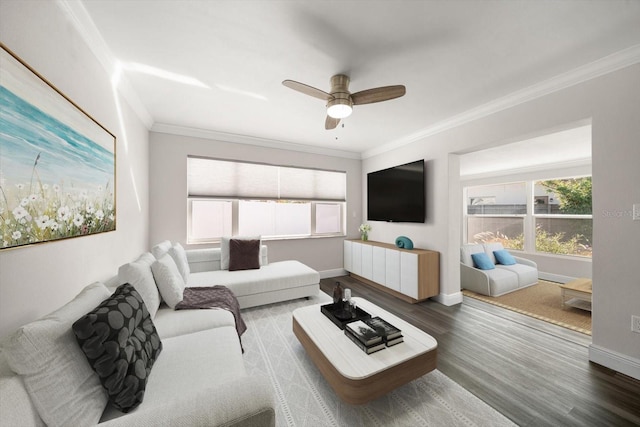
column 340, row 317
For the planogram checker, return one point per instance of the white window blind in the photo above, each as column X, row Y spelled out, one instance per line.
column 328, row 218
column 209, row 219
column 223, row 178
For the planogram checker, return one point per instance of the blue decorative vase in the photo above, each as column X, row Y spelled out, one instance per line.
column 404, row 242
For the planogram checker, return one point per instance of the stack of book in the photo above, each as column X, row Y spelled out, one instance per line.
column 364, row 336
column 373, row 334
column 389, row 333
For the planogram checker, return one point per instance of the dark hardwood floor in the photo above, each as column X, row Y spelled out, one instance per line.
column 534, row 373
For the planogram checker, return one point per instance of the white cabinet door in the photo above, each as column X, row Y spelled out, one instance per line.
column 367, row 261
column 392, row 269
column 347, row 255
column 409, row 274
column 356, row 258
column 379, row 264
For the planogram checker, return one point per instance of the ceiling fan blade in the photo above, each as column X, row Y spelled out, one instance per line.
column 331, row 123
column 378, row 94
column 307, row 90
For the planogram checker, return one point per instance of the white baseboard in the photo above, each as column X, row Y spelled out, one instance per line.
column 618, row 362
column 325, row 274
column 449, row 299
column 559, row 278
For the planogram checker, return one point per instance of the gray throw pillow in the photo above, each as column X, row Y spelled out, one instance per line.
column 244, row 254
column 121, row 344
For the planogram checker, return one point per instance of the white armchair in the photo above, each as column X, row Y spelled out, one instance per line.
column 497, row 281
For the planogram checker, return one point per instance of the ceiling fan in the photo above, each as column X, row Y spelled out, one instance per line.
column 340, row 101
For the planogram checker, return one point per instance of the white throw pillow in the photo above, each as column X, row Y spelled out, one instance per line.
column 62, row 385
column 168, row 279
column 179, row 255
column 138, row 274
column 224, row 249
column 161, row 249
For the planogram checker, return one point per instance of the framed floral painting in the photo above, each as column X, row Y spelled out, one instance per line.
column 57, row 164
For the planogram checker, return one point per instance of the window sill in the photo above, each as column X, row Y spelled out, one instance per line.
column 269, row 239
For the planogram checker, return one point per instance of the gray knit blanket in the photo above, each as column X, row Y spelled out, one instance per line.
column 213, row 297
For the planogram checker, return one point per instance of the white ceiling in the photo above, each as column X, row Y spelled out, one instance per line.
column 456, row 58
column 567, row 147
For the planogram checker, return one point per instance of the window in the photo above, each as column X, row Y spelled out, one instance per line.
column 328, row 218
column 228, row 198
column 563, row 216
column 208, row 220
column 551, row 216
column 495, row 213
column 273, row 218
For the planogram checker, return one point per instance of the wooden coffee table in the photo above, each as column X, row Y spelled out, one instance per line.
column 577, row 293
column 357, row 377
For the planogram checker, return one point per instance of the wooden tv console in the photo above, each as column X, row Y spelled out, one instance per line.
column 409, row 274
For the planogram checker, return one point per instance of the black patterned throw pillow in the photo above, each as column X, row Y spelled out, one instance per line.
column 121, row 344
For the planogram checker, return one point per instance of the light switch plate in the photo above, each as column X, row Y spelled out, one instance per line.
column 636, row 212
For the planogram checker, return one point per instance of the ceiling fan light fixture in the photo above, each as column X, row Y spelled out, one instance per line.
column 339, row 108
column 340, row 101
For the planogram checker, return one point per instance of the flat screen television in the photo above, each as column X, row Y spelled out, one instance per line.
column 397, row 194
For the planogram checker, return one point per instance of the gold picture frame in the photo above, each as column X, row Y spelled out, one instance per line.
column 57, row 163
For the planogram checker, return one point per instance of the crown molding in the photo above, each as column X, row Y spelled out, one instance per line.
column 83, row 23
column 608, row 64
column 250, row 140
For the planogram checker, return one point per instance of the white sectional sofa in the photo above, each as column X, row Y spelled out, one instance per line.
column 273, row 282
column 198, row 378
column 496, row 281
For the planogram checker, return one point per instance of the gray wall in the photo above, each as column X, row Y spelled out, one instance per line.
column 611, row 103
column 168, row 193
column 35, row 280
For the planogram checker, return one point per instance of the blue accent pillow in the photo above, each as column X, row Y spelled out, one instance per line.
column 504, row 257
column 482, row 261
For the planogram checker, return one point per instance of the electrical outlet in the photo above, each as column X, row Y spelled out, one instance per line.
column 635, row 324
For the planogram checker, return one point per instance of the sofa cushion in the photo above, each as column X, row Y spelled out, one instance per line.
column 482, row 261
column 121, row 344
column 168, row 279
column 139, row 275
column 161, row 249
column 504, row 257
column 224, row 249
column 179, row 256
column 170, row 323
column 244, row 254
column 501, row 281
column 527, row 275
column 16, row 407
column 490, row 248
column 57, row 376
column 210, row 259
column 281, row 275
column 467, row 250
column 192, row 362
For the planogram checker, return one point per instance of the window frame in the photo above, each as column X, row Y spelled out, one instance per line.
column 530, row 218
column 235, row 221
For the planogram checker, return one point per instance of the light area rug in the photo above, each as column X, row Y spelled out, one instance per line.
column 541, row 301
column 304, row 398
